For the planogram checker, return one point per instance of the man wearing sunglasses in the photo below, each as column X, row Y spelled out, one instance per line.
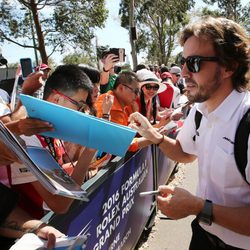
column 216, row 71
column 125, row 91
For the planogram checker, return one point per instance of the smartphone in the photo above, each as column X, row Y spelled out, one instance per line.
column 26, row 67
column 120, row 52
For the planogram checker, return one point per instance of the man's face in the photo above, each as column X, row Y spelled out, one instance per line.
column 206, row 83
column 175, row 78
column 46, row 73
column 76, row 101
column 130, row 92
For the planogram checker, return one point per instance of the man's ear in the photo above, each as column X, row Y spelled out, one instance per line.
column 54, row 98
column 229, row 71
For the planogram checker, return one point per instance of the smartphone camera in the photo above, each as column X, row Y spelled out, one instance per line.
column 120, row 52
column 26, row 67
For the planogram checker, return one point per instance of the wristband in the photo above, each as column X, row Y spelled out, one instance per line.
column 162, row 139
column 106, row 116
column 105, row 70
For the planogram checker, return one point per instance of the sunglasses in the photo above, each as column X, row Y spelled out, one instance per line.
column 193, row 62
column 81, row 106
column 149, row 87
column 135, row 91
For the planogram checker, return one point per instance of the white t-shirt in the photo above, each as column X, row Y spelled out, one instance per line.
column 4, row 107
column 219, row 178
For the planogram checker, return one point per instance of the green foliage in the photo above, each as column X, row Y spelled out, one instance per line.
column 157, row 23
column 78, row 58
column 230, row 9
column 57, row 24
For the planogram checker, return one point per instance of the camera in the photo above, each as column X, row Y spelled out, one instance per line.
column 119, row 52
column 26, row 67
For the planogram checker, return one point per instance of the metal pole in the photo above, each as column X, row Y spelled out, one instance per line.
column 132, row 31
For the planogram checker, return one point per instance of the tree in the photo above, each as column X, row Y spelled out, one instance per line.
column 57, row 24
column 78, row 58
column 232, row 9
column 157, row 23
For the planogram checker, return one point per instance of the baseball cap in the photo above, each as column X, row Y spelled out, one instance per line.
column 146, row 76
column 165, row 75
column 175, row 70
column 42, row 66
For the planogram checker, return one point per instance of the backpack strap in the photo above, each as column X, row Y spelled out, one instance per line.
column 241, row 144
column 197, row 119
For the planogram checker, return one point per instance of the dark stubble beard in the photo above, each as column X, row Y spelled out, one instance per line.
column 203, row 93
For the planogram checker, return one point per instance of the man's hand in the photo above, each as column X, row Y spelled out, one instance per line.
column 110, row 61
column 107, row 103
column 49, row 233
column 29, row 126
column 177, row 203
column 32, row 83
column 141, row 124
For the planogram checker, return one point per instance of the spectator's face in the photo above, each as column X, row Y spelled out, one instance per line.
column 150, row 90
column 46, row 73
column 75, row 101
column 130, row 92
column 96, row 92
column 175, row 77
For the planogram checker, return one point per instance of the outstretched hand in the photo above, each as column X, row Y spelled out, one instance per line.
column 29, row 126
column 49, row 233
column 140, row 123
column 32, row 83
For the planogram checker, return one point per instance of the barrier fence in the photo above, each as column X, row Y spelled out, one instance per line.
column 116, row 215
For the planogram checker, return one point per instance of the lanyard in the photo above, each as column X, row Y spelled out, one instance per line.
column 50, row 143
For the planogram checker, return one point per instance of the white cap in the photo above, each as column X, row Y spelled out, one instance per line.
column 175, row 70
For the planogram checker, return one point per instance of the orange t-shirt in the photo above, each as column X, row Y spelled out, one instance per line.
column 118, row 115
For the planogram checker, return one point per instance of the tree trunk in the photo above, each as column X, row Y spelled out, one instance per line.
column 39, row 33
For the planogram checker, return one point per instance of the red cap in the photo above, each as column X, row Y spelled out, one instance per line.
column 42, row 66
column 165, row 75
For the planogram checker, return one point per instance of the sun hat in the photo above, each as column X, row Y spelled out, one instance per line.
column 146, row 76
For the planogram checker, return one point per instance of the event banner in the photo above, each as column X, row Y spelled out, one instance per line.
column 165, row 167
column 116, row 215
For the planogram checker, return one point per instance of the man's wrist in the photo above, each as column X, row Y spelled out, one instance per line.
column 105, row 70
column 106, row 116
column 160, row 141
column 37, row 227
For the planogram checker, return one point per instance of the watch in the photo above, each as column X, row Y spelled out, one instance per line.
column 206, row 215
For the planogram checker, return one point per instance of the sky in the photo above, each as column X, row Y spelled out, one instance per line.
column 113, row 35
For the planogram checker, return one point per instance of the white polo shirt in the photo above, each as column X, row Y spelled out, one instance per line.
column 219, row 178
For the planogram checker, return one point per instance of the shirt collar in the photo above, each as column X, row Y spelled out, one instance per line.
column 227, row 108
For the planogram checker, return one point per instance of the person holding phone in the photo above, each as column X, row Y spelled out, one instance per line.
column 215, row 66
column 108, row 75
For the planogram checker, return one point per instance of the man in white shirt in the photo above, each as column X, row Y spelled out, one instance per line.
column 215, row 67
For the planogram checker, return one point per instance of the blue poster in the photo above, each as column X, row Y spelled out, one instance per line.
column 80, row 128
column 116, row 215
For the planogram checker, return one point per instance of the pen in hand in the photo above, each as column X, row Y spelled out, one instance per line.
column 154, row 192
